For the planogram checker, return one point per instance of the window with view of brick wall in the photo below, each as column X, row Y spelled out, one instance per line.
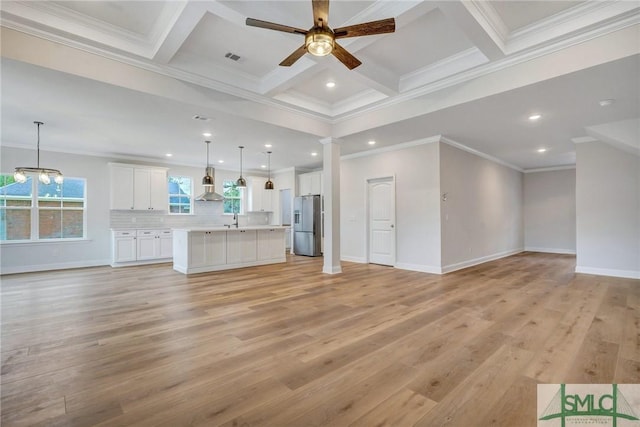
column 36, row 211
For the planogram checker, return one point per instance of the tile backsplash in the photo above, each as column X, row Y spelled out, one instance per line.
column 205, row 214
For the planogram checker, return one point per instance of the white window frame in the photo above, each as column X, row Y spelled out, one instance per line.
column 243, row 192
column 35, row 215
column 191, row 196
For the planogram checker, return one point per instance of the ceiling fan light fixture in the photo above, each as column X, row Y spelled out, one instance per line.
column 319, row 41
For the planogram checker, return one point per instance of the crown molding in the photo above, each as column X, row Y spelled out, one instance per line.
column 583, row 139
column 463, row 147
column 574, row 20
column 453, row 64
column 550, row 169
column 396, row 147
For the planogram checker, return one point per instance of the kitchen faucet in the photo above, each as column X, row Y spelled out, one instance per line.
column 236, row 219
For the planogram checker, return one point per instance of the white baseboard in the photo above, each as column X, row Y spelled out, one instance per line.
column 470, row 263
column 550, row 250
column 335, row 269
column 359, row 260
column 627, row 274
column 55, row 266
column 419, row 267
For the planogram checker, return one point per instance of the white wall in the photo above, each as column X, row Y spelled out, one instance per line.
column 417, row 205
column 482, row 218
column 96, row 249
column 550, row 211
column 608, row 211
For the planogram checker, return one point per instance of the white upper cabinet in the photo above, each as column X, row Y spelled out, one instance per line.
column 258, row 199
column 310, row 183
column 138, row 187
column 121, row 181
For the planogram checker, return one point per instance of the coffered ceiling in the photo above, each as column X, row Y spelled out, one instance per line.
column 125, row 78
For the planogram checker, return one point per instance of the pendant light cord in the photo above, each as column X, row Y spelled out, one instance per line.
column 38, row 150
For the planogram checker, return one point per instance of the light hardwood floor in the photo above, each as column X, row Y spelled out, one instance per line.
column 285, row 345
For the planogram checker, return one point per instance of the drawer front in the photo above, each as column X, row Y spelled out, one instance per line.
column 142, row 233
column 123, row 233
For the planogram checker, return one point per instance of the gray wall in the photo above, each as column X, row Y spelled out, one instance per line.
column 608, row 211
column 417, row 205
column 482, row 218
column 550, row 211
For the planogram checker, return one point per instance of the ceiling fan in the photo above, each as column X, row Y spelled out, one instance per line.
column 320, row 40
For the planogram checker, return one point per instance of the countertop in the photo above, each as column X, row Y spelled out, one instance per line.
column 223, row 228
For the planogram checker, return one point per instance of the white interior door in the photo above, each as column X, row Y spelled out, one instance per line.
column 382, row 217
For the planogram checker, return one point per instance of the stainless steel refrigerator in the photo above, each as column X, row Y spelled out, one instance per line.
column 306, row 225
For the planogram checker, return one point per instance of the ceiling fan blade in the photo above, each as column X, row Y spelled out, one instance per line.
column 271, row 26
column 297, row 54
column 367, row 29
column 345, row 57
column 320, row 12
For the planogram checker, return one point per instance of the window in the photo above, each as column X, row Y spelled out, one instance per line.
column 36, row 211
column 232, row 197
column 180, row 195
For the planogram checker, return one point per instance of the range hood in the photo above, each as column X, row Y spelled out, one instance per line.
column 209, row 183
column 209, row 194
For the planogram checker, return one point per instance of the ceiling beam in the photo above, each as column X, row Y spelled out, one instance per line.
column 178, row 31
column 481, row 24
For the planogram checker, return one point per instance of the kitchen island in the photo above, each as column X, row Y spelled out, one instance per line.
column 200, row 249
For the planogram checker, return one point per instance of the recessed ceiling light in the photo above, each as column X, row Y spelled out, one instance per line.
column 541, row 150
column 207, row 134
column 220, row 161
column 168, row 154
column 268, row 145
column 535, row 117
column 331, row 84
column 263, row 166
column 606, row 102
column 314, row 154
column 372, row 142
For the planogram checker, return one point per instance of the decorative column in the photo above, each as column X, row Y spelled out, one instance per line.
column 331, row 188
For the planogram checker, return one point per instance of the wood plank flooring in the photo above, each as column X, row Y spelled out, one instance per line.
column 285, row 345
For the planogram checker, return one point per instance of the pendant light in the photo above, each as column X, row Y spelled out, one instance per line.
column 269, row 184
column 43, row 173
column 241, row 182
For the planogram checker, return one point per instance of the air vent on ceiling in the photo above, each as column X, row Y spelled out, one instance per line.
column 232, row 56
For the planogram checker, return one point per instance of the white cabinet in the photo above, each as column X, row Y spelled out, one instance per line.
column 310, row 183
column 258, row 199
column 241, row 246
column 271, row 244
column 124, row 246
column 207, row 248
column 199, row 251
column 138, row 187
column 141, row 247
column 121, row 181
column 154, row 244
